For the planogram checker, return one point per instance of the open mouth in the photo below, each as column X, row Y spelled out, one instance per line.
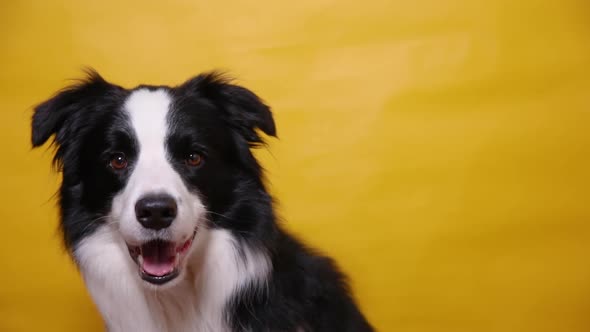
column 159, row 260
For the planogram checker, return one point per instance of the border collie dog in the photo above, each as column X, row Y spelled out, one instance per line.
column 164, row 210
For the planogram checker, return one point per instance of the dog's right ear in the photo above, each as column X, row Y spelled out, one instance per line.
column 58, row 115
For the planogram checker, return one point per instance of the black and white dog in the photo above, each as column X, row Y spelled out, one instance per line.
column 164, row 209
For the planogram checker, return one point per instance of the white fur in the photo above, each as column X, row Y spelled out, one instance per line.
column 152, row 173
column 197, row 302
column 212, row 271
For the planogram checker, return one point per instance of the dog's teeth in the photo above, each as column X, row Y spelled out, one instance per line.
column 140, row 260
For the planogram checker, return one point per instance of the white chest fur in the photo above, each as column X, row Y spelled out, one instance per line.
column 197, row 302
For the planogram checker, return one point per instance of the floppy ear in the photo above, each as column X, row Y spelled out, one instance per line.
column 248, row 112
column 50, row 116
column 67, row 115
column 58, row 114
column 244, row 110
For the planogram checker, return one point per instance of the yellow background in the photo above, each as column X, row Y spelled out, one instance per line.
column 438, row 149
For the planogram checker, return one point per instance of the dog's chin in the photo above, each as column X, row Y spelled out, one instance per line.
column 160, row 261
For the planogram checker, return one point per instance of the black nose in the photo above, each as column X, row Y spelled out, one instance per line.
column 155, row 211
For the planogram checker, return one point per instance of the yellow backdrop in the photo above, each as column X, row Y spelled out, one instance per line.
column 439, row 149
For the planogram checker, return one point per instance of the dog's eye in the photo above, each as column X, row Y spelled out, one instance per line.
column 118, row 161
column 193, row 159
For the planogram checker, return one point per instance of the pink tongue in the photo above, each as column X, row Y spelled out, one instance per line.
column 158, row 258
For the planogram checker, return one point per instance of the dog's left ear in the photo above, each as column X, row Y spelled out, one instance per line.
column 248, row 112
column 243, row 109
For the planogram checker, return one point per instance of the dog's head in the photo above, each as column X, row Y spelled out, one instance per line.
column 157, row 163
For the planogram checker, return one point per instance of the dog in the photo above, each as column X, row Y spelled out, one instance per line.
column 164, row 210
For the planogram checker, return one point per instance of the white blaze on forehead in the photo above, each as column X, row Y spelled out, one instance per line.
column 148, row 111
column 152, row 172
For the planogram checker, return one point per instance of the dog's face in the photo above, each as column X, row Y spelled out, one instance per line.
column 155, row 163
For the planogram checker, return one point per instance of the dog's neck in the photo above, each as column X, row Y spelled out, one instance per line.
column 217, row 268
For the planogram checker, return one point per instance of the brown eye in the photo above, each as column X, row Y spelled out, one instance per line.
column 118, row 161
column 194, row 159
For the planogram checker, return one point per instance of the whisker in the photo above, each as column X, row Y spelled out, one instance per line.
column 91, row 222
column 219, row 214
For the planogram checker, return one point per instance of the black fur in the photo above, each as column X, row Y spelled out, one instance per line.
column 84, row 121
column 222, row 121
